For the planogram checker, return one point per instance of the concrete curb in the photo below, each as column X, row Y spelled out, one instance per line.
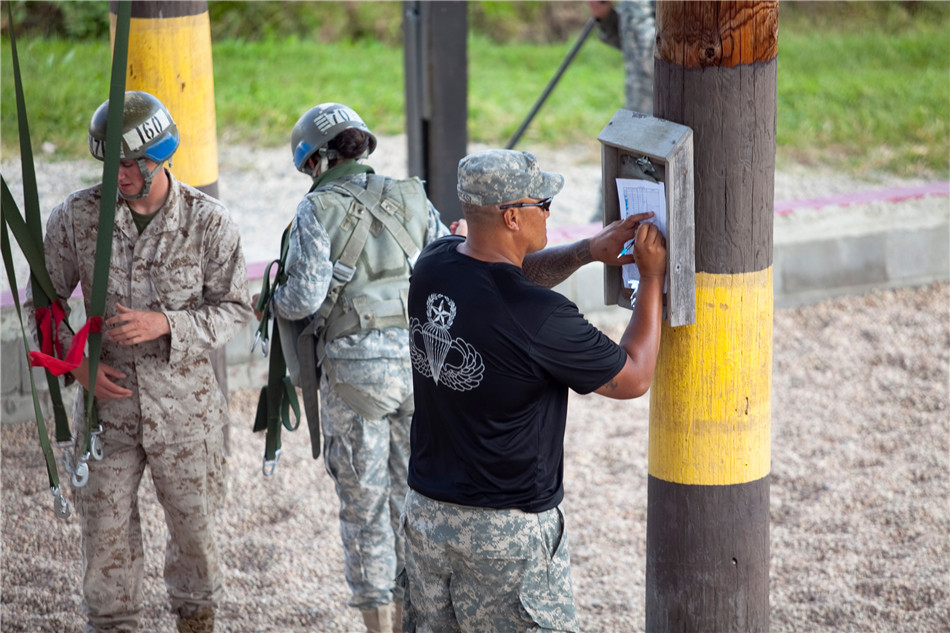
column 817, row 254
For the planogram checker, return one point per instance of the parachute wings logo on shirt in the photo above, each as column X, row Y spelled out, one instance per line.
column 435, row 354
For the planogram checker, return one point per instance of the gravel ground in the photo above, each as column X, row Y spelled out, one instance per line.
column 859, row 511
column 261, row 189
column 860, row 460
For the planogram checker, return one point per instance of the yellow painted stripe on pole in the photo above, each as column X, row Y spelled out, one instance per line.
column 710, row 403
column 171, row 58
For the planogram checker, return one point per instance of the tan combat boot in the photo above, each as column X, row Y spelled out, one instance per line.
column 397, row 617
column 201, row 622
column 378, row 620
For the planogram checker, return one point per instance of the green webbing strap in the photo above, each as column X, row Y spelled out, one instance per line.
column 370, row 198
column 310, row 374
column 107, row 204
column 43, row 296
column 60, row 506
column 43, row 292
column 263, row 304
column 23, row 235
column 278, row 396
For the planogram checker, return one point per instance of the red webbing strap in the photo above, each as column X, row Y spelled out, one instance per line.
column 74, row 356
column 48, row 321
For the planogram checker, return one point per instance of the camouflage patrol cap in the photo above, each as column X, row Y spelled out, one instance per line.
column 494, row 176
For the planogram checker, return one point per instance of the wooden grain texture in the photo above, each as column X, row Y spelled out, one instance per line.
column 705, row 34
column 693, row 589
column 732, row 114
column 710, row 403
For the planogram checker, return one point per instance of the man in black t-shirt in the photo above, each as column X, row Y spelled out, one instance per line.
column 494, row 352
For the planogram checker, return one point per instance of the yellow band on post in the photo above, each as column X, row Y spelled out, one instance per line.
column 171, row 58
column 710, row 403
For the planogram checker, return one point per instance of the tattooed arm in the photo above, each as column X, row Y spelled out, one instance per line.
column 551, row 266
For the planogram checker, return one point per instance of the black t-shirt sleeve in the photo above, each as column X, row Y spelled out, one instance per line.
column 576, row 353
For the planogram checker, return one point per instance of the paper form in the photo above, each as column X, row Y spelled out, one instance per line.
column 641, row 196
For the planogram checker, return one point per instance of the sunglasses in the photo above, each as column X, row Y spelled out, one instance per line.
column 543, row 204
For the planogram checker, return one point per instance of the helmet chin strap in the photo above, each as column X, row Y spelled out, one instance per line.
column 326, row 155
column 319, row 167
column 147, row 176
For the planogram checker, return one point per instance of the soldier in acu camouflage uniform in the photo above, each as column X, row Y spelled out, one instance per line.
column 177, row 289
column 366, row 388
column 631, row 27
column 494, row 353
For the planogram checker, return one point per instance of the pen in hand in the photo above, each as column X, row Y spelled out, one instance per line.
column 633, row 242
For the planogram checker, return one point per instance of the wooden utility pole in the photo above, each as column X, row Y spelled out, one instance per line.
column 170, row 57
column 710, row 404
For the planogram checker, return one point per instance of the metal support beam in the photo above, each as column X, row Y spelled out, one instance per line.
column 436, row 71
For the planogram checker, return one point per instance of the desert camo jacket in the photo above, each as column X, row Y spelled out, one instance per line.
column 187, row 264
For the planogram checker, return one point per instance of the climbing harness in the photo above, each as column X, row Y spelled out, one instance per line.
column 50, row 313
column 302, row 344
column 278, row 397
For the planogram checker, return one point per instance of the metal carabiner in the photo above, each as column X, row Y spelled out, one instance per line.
column 95, row 445
column 646, row 165
column 270, row 464
column 60, row 505
column 68, row 463
column 81, row 476
column 263, row 341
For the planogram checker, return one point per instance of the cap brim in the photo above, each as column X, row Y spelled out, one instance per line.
column 551, row 185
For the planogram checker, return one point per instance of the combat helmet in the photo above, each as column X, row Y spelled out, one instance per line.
column 316, row 128
column 148, row 132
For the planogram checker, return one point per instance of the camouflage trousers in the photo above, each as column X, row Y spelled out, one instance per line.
column 482, row 570
column 638, row 35
column 190, row 483
column 366, row 410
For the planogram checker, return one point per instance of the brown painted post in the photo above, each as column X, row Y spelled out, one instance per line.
column 170, row 57
column 710, row 404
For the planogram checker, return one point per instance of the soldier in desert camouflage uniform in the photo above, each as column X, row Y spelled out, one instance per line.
column 177, row 289
column 366, row 389
column 631, row 27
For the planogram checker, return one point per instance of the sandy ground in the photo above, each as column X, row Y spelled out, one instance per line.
column 261, row 189
column 860, row 516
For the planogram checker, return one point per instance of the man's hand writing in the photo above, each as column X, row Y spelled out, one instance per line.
column 607, row 245
column 650, row 251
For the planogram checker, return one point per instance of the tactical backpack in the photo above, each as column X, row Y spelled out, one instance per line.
column 368, row 291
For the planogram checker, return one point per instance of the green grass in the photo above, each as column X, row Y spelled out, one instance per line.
column 884, row 102
column 865, row 96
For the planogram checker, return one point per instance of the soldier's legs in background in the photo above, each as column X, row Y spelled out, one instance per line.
column 399, row 478
column 359, row 456
column 357, row 463
column 638, row 35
